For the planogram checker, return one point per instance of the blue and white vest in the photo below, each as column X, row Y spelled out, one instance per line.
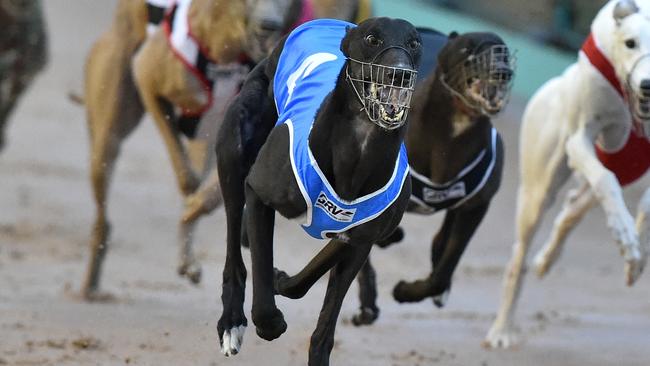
column 307, row 72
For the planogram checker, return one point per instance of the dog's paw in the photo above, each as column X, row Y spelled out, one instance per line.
column 270, row 326
column 201, row 202
column 189, row 183
column 365, row 316
column 411, row 291
column 542, row 263
column 623, row 229
column 501, row 337
column 635, row 260
column 231, row 340
column 279, row 280
column 192, row 271
column 231, row 327
column 97, row 296
column 441, row 300
column 395, row 237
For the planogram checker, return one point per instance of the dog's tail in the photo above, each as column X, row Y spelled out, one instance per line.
column 76, row 98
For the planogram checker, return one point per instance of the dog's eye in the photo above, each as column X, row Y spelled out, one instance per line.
column 372, row 40
column 630, row 43
column 414, row 44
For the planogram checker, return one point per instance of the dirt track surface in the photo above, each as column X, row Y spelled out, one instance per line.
column 582, row 314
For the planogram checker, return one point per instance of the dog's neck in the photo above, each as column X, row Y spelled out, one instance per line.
column 444, row 135
column 356, row 155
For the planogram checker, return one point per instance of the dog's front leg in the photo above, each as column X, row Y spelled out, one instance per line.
column 448, row 246
column 146, row 74
column 260, row 219
column 341, row 276
column 582, row 158
column 295, row 287
column 643, row 223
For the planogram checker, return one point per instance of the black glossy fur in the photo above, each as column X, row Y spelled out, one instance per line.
column 435, row 152
column 254, row 169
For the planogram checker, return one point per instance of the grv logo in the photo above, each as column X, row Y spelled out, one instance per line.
column 431, row 195
column 335, row 212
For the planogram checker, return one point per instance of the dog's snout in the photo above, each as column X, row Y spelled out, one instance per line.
column 645, row 87
column 502, row 73
column 270, row 25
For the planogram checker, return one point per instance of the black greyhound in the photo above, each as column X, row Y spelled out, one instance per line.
column 356, row 144
column 455, row 153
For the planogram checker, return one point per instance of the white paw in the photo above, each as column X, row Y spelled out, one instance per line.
column 232, row 340
column 635, row 260
column 441, row 300
column 624, row 232
column 542, row 263
column 501, row 337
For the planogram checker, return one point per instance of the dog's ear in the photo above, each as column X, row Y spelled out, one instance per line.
column 453, row 35
column 345, row 43
column 623, row 9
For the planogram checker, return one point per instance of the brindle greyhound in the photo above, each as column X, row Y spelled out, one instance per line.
column 352, row 86
column 456, row 157
column 115, row 81
column 155, row 80
column 23, row 53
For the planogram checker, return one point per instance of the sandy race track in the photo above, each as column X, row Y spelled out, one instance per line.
column 582, row 314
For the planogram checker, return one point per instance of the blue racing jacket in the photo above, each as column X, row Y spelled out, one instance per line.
column 307, row 71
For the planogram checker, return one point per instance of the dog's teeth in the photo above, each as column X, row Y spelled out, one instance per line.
column 387, row 118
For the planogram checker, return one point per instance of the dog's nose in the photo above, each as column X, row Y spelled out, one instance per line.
column 504, row 74
column 645, row 87
column 398, row 77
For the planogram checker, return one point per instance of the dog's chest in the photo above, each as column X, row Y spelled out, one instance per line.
column 460, row 122
column 428, row 197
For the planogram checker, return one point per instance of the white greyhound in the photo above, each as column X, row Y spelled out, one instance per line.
column 593, row 121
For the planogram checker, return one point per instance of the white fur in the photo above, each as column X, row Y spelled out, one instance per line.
column 560, row 126
column 460, row 123
column 442, row 298
column 232, row 341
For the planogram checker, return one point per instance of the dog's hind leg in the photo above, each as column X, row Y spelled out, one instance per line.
column 543, row 171
column 530, row 207
column 113, row 111
column 576, row 205
column 368, row 310
column 102, row 159
column 532, row 201
column 105, row 150
column 341, row 276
